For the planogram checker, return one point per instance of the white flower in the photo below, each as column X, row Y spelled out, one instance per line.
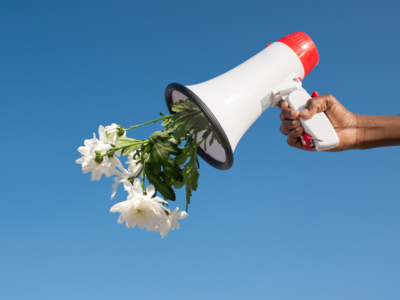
column 113, row 133
column 90, row 153
column 171, row 222
column 102, row 135
column 174, row 216
column 117, row 180
column 141, row 210
column 135, row 166
column 115, row 162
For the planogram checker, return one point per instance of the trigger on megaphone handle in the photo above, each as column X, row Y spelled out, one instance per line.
column 305, row 139
column 314, row 94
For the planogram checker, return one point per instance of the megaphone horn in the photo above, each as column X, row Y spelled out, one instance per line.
column 233, row 101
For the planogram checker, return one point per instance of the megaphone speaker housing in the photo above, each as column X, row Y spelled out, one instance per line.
column 233, row 101
column 176, row 90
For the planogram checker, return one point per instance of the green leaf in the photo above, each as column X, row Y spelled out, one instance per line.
column 165, row 121
column 188, row 118
column 214, row 136
column 161, row 149
column 189, row 172
column 218, row 139
column 158, row 182
column 178, row 184
column 205, row 136
column 184, row 156
column 131, row 149
column 123, row 142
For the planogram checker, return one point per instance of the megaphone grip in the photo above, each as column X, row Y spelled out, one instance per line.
column 318, row 130
column 305, row 139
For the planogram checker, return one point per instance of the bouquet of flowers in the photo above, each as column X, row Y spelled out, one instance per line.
column 160, row 160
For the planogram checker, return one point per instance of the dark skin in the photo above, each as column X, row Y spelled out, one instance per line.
column 354, row 131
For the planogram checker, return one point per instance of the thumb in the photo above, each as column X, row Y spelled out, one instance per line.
column 316, row 105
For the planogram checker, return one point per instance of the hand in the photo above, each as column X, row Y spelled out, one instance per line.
column 343, row 121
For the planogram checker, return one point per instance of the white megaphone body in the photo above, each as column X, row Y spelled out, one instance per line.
column 233, row 101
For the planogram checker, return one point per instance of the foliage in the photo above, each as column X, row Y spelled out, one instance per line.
column 160, row 159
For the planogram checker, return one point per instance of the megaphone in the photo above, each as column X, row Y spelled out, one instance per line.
column 233, row 101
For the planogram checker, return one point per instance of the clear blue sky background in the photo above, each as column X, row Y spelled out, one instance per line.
column 281, row 224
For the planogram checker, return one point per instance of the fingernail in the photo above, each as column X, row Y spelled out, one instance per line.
column 293, row 113
column 305, row 110
column 297, row 129
column 294, row 122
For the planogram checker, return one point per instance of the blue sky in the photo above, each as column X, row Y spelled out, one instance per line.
column 280, row 224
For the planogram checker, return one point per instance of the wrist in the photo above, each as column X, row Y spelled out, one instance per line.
column 377, row 131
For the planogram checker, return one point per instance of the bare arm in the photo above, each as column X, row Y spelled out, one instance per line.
column 354, row 131
column 378, row 131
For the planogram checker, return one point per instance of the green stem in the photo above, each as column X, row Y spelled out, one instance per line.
column 199, row 143
column 156, row 120
column 143, row 177
column 111, row 151
column 187, row 136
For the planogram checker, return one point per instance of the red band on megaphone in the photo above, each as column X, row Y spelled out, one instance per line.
column 305, row 49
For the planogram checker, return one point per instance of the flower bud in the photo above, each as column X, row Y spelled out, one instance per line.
column 120, row 130
column 98, row 159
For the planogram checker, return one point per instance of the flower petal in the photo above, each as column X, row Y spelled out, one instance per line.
column 181, row 215
column 137, row 188
column 115, row 186
column 115, row 208
column 128, row 187
column 150, row 190
column 102, row 135
column 121, row 219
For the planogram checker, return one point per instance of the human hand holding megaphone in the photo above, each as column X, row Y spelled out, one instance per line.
column 344, row 122
column 354, row 131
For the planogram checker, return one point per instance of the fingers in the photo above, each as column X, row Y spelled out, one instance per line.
column 293, row 137
column 289, row 118
column 288, row 125
column 291, row 125
column 283, row 104
column 289, row 114
column 294, row 140
column 317, row 104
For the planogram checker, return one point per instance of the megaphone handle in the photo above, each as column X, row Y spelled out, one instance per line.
column 318, row 130
column 305, row 139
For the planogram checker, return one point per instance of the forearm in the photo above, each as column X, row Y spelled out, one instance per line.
column 377, row 131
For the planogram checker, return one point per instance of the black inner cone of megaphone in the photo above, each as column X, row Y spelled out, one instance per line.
column 213, row 120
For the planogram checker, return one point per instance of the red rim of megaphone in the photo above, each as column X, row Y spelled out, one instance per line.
column 305, row 49
column 213, row 120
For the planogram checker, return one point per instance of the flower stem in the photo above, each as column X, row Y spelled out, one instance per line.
column 156, row 120
column 199, row 143
column 143, row 177
column 187, row 136
column 111, row 151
